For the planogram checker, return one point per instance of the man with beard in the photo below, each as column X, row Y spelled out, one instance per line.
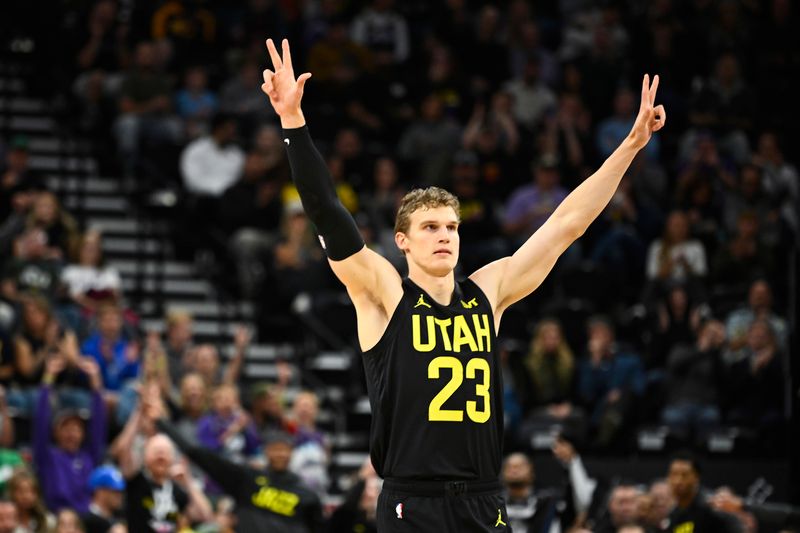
column 527, row 512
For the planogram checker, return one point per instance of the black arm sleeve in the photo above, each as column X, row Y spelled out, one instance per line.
column 775, row 516
column 338, row 230
column 226, row 474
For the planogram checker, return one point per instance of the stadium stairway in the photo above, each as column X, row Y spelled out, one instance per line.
column 154, row 282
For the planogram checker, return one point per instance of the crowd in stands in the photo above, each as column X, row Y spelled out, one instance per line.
column 671, row 311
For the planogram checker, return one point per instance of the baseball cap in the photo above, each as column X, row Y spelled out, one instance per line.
column 68, row 413
column 278, row 437
column 106, row 477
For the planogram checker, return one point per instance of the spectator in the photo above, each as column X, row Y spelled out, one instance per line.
column 192, row 406
column 582, row 486
column 273, row 498
column 748, row 195
column 662, row 503
column 724, row 104
column 533, row 100
column 609, row 381
column 127, row 449
column 567, row 131
column 757, row 381
column 768, row 516
column 227, row 428
column 613, row 130
column 486, row 45
column 297, row 264
column 743, row 257
column 691, row 512
column 336, row 58
column 32, row 269
column 381, row 202
column 530, row 205
column 494, row 135
column 160, row 492
column 527, row 511
column 358, row 512
column 311, row 455
column 87, row 279
column 118, row 358
column 212, row 163
column 178, row 343
column 108, row 492
column 552, row 368
column 101, row 42
column 430, row 141
column 694, row 385
column 24, row 492
column 68, row 521
column 250, row 212
column 59, row 227
column 738, row 322
column 67, row 464
column 190, row 29
column 39, row 339
column 481, row 239
column 678, row 322
column 780, row 177
column 145, row 108
column 17, row 179
column 675, row 256
column 621, row 511
column 382, row 31
column 205, row 361
column 267, row 405
column 241, row 97
column 9, row 522
column 195, row 103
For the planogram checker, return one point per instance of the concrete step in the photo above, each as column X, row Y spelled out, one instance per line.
column 56, row 163
column 200, row 289
column 96, row 203
column 21, row 104
column 134, row 246
column 129, row 267
column 65, row 184
column 28, row 123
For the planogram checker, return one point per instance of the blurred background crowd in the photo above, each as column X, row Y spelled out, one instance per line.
column 671, row 324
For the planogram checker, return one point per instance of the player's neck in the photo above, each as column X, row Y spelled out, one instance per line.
column 440, row 288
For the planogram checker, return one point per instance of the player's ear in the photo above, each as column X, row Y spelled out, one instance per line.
column 401, row 241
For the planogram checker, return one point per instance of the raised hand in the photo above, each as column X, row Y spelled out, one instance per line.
column 284, row 91
column 651, row 117
column 242, row 337
column 54, row 365
column 92, row 370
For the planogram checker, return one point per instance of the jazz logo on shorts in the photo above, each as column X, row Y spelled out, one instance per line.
column 399, row 511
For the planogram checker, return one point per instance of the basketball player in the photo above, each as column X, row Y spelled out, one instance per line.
column 428, row 342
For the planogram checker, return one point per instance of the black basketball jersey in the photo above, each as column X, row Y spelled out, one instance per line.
column 435, row 388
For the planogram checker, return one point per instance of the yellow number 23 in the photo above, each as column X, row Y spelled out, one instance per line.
column 435, row 411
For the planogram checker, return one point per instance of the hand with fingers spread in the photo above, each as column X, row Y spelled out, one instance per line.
column 651, row 117
column 284, row 91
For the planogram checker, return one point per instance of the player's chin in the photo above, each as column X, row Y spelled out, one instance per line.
column 443, row 264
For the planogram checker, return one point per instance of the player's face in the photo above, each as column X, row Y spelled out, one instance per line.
column 432, row 240
column 682, row 479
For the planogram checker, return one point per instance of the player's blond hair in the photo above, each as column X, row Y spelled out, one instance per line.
column 429, row 198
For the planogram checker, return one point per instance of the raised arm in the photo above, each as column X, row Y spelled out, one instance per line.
column 363, row 272
column 510, row 279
